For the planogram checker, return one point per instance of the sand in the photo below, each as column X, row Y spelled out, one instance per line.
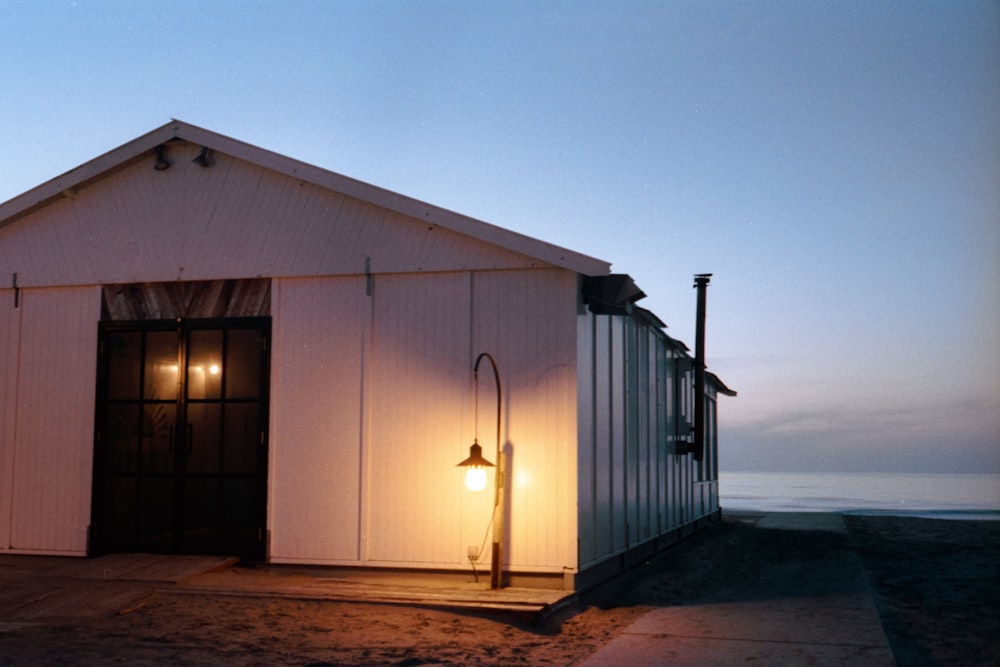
column 936, row 583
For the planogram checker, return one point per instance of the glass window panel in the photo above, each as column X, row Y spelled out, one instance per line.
column 203, row 431
column 161, row 365
column 158, row 436
column 241, row 438
column 204, row 365
column 243, row 363
column 124, row 361
column 121, row 438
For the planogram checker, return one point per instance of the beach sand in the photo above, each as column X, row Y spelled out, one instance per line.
column 936, row 583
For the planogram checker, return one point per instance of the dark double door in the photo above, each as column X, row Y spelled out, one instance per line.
column 181, row 458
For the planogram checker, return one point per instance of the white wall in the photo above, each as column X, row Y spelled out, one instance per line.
column 373, row 404
column 319, row 342
column 47, row 452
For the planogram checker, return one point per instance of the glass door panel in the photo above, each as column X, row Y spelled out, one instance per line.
column 202, row 527
column 155, row 514
column 241, row 434
column 122, row 438
column 204, row 364
column 204, row 424
column 124, row 366
column 180, row 436
column 161, row 366
column 158, row 437
column 243, row 351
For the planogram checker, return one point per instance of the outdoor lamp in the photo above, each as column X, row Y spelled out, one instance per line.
column 475, row 475
column 476, row 465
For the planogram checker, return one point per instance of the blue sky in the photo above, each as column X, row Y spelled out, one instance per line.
column 836, row 165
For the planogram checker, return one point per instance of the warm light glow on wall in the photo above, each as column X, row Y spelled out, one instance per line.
column 475, row 479
column 214, row 369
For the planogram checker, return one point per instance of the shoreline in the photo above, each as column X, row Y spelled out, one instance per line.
column 971, row 496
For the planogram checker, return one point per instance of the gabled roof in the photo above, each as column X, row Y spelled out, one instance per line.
column 75, row 179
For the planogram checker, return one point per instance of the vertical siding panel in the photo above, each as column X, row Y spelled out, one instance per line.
column 605, row 444
column 630, row 406
column 642, row 431
column 662, row 417
column 653, row 407
column 316, row 399
column 420, row 396
column 527, row 320
column 10, row 320
column 587, row 492
column 53, row 454
column 619, row 432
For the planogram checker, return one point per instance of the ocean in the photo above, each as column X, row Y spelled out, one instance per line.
column 941, row 496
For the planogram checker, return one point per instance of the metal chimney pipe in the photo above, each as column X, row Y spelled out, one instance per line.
column 701, row 281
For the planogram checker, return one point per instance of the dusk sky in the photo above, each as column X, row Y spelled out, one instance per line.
column 835, row 165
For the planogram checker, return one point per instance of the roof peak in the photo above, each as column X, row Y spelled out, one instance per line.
column 79, row 177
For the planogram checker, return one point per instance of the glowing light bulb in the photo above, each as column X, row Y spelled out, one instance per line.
column 214, row 369
column 475, row 479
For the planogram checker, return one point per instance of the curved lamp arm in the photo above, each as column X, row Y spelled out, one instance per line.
column 496, row 376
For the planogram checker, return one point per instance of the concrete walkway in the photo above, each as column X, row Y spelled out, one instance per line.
column 829, row 629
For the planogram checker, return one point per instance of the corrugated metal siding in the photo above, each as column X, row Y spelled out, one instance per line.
column 318, row 355
column 662, row 425
column 586, row 430
column 10, row 324
column 639, row 489
column 233, row 220
column 53, row 445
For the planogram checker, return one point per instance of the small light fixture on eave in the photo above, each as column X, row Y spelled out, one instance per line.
column 202, row 159
column 161, row 163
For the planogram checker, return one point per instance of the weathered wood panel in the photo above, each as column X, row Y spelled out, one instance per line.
column 319, row 344
column 55, row 420
column 192, row 299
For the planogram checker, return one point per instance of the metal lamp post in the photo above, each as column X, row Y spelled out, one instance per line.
column 475, row 478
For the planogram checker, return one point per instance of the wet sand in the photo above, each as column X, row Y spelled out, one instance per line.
column 936, row 584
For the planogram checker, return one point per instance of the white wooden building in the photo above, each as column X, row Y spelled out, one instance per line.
column 209, row 347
